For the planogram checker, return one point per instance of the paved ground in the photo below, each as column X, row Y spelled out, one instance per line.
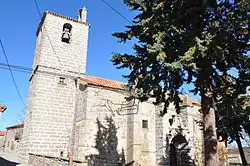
column 8, row 159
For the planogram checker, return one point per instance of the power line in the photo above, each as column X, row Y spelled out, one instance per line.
column 119, row 13
column 40, row 14
column 17, row 67
column 11, row 73
column 37, row 8
column 13, row 69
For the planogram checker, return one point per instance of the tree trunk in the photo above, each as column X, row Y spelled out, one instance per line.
column 210, row 138
column 242, row 155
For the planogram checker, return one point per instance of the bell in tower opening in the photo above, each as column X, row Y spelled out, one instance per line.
column 66, row 34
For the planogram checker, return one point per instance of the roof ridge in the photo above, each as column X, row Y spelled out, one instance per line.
column 107, row 79
column 108, row 83
column 15, row 126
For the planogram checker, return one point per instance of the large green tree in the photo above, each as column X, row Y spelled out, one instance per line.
column 180, row 42
column 233, row 119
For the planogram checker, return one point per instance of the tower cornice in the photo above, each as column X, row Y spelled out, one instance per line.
column 57, row 15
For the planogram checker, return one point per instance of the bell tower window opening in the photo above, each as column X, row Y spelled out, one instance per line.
column 66, row 34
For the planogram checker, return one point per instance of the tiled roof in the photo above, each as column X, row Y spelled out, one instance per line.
column 2, row 108
column 103, row 82
column 2, row 133
column 57, row 15
column 15, row 126
column 190, row 100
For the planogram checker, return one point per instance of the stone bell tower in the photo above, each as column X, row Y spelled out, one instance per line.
column 60, row 58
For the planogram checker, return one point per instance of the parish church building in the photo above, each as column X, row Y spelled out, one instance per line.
column 65, row 102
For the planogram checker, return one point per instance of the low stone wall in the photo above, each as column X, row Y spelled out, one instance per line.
column 42, row 160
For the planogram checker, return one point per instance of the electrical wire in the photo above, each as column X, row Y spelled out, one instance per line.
column 40, row 14
column 16, row 66
column 13, row 69
column 116, row 11
column 11, row 73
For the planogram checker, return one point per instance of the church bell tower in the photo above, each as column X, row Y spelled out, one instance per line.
column 60, row 58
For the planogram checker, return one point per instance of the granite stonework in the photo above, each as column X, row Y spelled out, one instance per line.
column 51, row 104
column 13, row 137
column 41, row 160
column 64, row 105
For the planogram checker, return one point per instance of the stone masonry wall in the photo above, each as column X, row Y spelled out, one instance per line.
column 138, row 143
column 24, row 144
column 66, row 56
column 196, row 133
column 11, row 144
column 97, row 107
column 191, row 131
column 51, row 105
column 41, row 160
column 159, row 136
column 146, row 135
column 52, row 115
column 2, row 141
column 80, row 128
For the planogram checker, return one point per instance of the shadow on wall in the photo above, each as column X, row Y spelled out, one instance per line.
column 164, row 159
column 4, row 162
column 106, row 145
column 177, row 152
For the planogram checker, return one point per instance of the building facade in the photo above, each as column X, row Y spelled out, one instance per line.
column 13, row 137
column 2, row 138
column 234, row 156
column 65, row 103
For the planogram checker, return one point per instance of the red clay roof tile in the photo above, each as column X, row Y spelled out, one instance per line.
column 15, row 126
column 97, row 81
column 2, row 133
column 103, row 82
column 2, row 108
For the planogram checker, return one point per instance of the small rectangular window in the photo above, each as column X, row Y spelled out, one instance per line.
column 144, row 124
column 62, row 80
column 61, row 153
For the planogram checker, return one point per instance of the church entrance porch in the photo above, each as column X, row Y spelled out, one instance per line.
column 179, row 152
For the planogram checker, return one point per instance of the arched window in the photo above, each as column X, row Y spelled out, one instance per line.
column 66, row 34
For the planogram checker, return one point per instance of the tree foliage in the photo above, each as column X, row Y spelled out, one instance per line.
column 182, row 42
column 233, row 119
column 187, row 41
column 233, row 116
